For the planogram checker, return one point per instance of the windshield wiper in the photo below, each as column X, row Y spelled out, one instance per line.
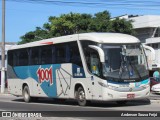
column 121, row 67
column 124, row 64
column 134, row 68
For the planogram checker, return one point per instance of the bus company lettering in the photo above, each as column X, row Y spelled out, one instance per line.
column 45, row 75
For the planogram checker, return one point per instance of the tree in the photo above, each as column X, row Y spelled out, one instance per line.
column 101, row 22
column 38, row 34
column 70, row 23
column 73, row 23
column 122, row 26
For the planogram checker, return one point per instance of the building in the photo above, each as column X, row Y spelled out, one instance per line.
column 147, row 29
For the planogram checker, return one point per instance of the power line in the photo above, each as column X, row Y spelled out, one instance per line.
column 114, row 3
column 122, row 2
column 128, row 4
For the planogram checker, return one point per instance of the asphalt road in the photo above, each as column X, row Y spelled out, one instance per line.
column 69, row 109
column 9, row 102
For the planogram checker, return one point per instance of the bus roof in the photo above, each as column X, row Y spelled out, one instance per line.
column 110, row 38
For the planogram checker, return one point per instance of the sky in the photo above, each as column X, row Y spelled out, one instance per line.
column 23, row 16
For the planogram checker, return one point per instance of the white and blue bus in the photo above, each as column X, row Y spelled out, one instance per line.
column 85, row 67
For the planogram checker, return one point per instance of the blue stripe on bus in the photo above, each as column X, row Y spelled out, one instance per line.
column 113, row 82
column 137, row 84
column 24, row 72
column 45, row 75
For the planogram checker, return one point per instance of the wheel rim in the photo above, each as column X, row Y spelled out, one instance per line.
column 26, row 95
column 81, row 96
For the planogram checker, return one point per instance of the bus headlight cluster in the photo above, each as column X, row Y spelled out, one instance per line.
column 107, row 86
column 145, row 86
column 103, row 84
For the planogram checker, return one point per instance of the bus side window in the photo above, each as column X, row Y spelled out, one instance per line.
column 60, row 53
column 34, row 56
column 15, row 58
column 10, row 58
column 87, row 51
column 94, row 62
column 53, row 55
column 23, row 57
column 46, row 55
column 75, row 57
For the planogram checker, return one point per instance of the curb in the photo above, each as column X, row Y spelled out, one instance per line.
column 5, row 94
column 5, row 91
column 155, row 101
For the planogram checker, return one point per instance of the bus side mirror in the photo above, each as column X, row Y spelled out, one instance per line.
column 151, row 55
column 100, row 52
column 151, row 51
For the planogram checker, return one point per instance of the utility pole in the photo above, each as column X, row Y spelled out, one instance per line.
column 3, row 49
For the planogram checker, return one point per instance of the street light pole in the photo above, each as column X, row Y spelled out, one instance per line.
column 3, row 49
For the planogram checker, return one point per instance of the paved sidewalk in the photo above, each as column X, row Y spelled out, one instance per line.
column 5, row 91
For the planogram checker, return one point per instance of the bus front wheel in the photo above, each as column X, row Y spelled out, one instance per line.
column 26, row 94
column 81, row 97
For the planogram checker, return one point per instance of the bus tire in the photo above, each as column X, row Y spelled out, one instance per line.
column 26, row 94
column 81, row 97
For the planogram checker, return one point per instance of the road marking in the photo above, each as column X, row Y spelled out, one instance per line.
column 59, row 105
column 2, row 110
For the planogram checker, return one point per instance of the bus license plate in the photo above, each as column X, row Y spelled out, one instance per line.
column 130, row 96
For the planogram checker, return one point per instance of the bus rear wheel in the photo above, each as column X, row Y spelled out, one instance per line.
column 26, row 94
column 81, row 97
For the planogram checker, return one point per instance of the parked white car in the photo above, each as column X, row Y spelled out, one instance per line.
column 156, row 88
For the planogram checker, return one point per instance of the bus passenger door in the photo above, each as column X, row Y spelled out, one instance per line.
column 95, row 69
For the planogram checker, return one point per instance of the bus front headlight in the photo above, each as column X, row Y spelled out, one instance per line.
column 107, row 86
column 103, row 84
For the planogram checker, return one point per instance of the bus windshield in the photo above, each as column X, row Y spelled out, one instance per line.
column 124, row 62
